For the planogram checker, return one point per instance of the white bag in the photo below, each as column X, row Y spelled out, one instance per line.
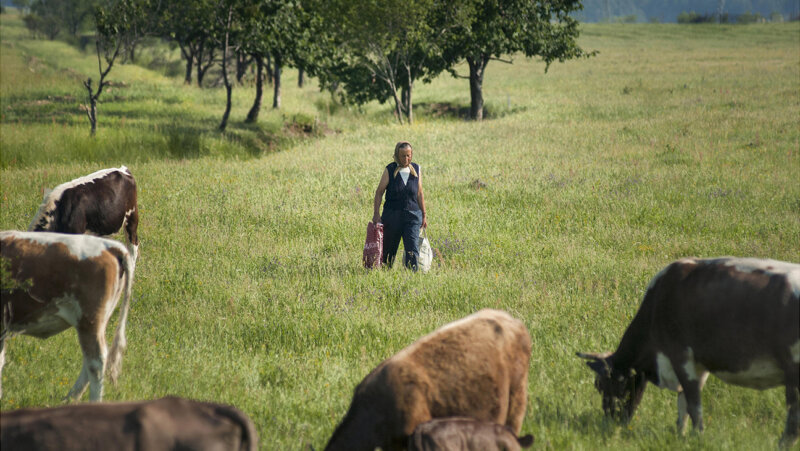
column 425, row 252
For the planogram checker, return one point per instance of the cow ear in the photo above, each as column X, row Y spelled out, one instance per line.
column 597, row 362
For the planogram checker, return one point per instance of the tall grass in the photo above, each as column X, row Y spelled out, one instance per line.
column 580, row 185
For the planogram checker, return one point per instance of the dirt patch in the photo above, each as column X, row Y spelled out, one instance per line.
column 49, row 100
column 301, row 125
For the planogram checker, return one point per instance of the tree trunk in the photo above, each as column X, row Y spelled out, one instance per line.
column 398, row 109
column 276, row 98
column 268, row 68
column 202, row 68
column 204, row 61
column 200, row 71
column 252, row 116
column 93, row 115
column 228, row 85
column 407, row 90
column 409, row 104
column 187, row 78
column 477, row 66
column 300, row 77
column 92, row 112
column 242, row 63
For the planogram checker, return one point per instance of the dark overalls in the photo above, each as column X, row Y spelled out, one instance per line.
column 401, row 217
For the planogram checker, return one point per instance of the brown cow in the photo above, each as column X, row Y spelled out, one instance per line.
column 163, row 424
column 68, row 281
column 466, row 434
column 100, row 203
column 734, row 317
column 475, row 367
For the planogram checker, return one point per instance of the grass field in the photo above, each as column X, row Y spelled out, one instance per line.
column 582, row 183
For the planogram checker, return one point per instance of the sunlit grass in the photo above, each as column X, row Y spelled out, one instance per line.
column 580, row 185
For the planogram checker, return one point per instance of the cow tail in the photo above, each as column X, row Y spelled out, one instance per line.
column 120, row 343
column 249, row 435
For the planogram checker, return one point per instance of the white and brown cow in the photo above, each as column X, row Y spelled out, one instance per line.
column 99, row 204
column 163, row 424
column 738, row 318
column 466, row 434
column 476, row 367
column 64, row 281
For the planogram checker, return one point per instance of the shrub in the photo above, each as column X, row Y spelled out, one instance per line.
column 38, row 25
column 694, row 17
column 748, row 17
column 631, row 18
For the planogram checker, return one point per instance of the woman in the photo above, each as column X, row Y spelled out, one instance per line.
column 404, row 211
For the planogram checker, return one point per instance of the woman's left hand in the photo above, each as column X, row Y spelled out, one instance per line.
column 424, row 221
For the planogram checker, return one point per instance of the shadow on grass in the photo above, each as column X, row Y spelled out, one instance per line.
column 449, row 110
column 161, row 133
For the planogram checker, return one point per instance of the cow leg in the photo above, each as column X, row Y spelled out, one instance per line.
column 683, row 413
column 2, row 362
column 80, row 385
column 792, row 430
column 691, row 377
column 683, row 408
column 516, row 404
column 93, row 345
column 131, row 225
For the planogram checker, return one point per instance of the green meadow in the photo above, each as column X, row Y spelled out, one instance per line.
column 581, row 184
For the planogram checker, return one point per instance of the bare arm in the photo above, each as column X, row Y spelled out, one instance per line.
column 421, row 202
column 376, row 204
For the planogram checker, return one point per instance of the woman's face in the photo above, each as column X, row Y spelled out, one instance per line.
column 404, row 157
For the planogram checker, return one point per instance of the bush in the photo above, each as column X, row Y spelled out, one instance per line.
column 631, row 18
column 38, row 25
column 694, row 17
column 748, row 17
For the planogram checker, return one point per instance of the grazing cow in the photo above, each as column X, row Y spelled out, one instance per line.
column 734, row 317
column 466, row 434
column 99, row 204
column 475, row 367
column 164, row 424
column 68, row 281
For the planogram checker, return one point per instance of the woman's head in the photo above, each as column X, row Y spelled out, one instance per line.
column 403, row 153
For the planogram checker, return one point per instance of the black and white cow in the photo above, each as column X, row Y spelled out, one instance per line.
column 738, row 318
column 99, row 204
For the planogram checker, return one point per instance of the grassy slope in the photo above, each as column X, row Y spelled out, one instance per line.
column 674, row 141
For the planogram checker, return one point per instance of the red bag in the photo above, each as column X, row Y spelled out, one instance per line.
column 373, row 246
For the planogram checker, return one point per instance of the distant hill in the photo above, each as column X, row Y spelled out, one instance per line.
column 668, row 10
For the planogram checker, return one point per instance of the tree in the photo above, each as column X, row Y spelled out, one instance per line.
column 385, row 46
column 275, row 32
column 50, row 17
column 226, row 26
column 191, row 25
column 486, row 30
column 118, row 24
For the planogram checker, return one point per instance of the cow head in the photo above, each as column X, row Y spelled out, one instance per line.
column 622, row 389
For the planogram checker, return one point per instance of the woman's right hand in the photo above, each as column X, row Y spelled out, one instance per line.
column 376, row 219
